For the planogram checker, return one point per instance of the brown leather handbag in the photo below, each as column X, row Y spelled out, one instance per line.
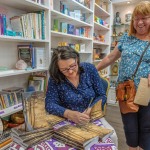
column 125, row 92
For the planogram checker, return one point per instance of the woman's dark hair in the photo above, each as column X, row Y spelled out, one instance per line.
column 61, row 53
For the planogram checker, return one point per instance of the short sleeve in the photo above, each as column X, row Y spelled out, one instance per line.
column 121, row 41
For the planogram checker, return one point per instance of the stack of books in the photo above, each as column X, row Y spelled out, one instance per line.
column 28, row 139
column 5, row 139
column 81, row 137
column 96, row 111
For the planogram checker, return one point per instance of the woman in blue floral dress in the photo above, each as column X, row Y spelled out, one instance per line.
column 129, row 49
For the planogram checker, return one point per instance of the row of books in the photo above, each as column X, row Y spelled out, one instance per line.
column 35, row 57
column 10, row 97
column 74, row 14
column 38, row 83
column 31, row 25
column 71, row 29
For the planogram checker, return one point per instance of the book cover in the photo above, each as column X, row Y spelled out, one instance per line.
column 40, row 57
column 25, row 53
column 81, row 137
column 16, row 24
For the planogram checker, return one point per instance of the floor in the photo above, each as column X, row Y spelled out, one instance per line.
column 114, row 118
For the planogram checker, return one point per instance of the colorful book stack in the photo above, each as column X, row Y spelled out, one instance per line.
column 10, row 97
column 31, row 25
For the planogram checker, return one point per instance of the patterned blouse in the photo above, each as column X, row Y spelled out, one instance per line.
column 64, row 95
column 131, row 49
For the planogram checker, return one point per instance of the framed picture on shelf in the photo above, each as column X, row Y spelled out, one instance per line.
column 128, row 17
column 114, row 69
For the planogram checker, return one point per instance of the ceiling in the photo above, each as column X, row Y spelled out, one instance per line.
column 123, row 2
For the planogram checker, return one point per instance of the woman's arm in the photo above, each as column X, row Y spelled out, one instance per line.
column 53, row 105
column 149, row 80
column 52, row 101
column 109, row 59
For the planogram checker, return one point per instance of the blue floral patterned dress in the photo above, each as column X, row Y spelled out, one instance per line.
column 131, row 49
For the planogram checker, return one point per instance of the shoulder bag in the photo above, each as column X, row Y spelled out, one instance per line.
column 126, row 91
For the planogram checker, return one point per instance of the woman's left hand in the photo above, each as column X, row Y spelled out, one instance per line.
column 149, row 80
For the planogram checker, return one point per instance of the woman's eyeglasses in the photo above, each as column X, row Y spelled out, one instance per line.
column 72, row 67
column 136, row 19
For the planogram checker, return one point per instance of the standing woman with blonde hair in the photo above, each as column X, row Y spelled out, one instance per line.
column 130, row 48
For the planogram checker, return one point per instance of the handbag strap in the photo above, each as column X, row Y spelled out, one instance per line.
column 140, row 60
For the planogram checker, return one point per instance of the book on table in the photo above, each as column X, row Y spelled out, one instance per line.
column 81, row 137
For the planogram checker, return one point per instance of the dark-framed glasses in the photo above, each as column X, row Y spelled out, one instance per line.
column 72, row 67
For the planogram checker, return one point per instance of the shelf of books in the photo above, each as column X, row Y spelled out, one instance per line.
column 75, row 4
column 11, row 110
column 72, row 25
column 101, row 39
column 25, row 46
column 68, row 19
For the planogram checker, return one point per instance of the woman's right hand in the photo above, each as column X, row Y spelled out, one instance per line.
column 77, row 117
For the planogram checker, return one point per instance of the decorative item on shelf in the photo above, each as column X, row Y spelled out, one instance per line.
column 96, row 53
column 128, row 18
column 25, row 52
column 17, row 118
column 120, row 33
column 117, row 20
column 21, row 65
column 114, row 69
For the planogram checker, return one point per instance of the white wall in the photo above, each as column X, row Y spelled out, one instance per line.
column 124, row 9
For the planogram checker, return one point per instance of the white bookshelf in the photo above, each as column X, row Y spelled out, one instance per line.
column 8, row 47
column 100, row 43
column 64, row 35
column 103, row 30
column 73, row 4
column 65, row 18
column 21, row 39
column 100, row 10
column 13, row 109
column 20, row 72
column 57, row 37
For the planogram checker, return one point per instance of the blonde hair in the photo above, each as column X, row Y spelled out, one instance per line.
column 142, row 8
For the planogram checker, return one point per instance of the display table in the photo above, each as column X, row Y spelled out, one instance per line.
column 110, row 143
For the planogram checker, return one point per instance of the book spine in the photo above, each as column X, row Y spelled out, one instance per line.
column 4, row 24
column 43, row 24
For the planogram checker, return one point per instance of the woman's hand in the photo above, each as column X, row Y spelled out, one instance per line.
column 77, row 117
column 149, row 80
